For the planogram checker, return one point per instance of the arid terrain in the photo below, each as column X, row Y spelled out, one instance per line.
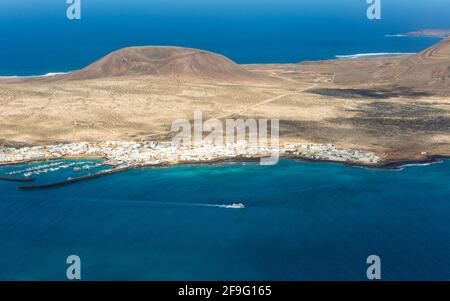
column 432, row 33
column 396, row 106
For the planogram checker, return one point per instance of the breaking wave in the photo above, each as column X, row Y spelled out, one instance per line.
column 395, row 35
column 361, row 55
column 423, row 164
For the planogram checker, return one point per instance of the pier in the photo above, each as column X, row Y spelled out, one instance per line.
column 16, row 179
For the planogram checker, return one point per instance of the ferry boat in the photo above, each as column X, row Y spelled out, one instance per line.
column 236, row 206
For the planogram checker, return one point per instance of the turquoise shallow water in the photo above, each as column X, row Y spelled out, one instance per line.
column 301, row 221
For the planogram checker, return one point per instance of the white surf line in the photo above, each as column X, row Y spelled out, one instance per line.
column 396, row 36
column 422, row 164
column 402, row 167
column 412, row 36
column 34, row 76
column 375, row 54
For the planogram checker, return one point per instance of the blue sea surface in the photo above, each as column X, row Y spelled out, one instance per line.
column 37, row 38
column 302, row 221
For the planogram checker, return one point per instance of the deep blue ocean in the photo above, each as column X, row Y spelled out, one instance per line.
column 301, row 221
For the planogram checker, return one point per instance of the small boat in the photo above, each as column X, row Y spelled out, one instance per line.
column 237, row 206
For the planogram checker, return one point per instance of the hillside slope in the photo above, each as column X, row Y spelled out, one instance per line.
column 427, row 70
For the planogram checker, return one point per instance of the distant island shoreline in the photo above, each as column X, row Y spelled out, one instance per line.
column 425, row 33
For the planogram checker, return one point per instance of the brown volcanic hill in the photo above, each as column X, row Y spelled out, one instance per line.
column 163, row 61
column 427, row 70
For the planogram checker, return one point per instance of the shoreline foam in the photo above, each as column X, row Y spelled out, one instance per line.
column 374, row 54
column 50, row 74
